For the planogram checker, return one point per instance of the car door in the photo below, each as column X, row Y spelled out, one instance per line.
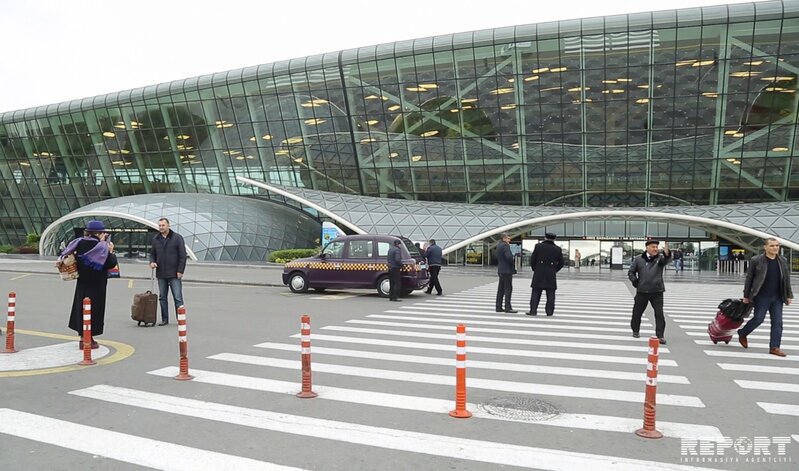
column 360, row 267
column 323, row 274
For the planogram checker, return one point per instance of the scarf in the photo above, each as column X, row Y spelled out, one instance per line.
column 95, row 258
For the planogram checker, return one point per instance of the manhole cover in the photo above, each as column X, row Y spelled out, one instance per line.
column 520, row 408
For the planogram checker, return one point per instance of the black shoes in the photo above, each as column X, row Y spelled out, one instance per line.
column 395, row 300
column 530, row 313
column 636, row 335
column 662, row 341
column 164, row 323
column 511, row 311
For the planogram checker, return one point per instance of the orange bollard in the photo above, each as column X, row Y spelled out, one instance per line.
column 305, row 342
column 649, row 431
column 12, row 310
column 87, row 333
column 460, row 375
column 183, row 344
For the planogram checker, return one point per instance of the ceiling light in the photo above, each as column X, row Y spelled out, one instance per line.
column 467, row 107
column 508, row 106
column 252, row 139
column 550, row 89
column 702, row 63
column 644, row 86
column 183, row 136
column 135, row 123
column 266, row 137
column 624, row 79
column 308, row 105
column 394, row 107
column 428, row 85
column 124, row 151
column 292, row 140
column 45, row 154
column 559, row 69
column 429, row 133
column 120, row 125
column 577, row 89
column 753, row 63
column 515, row 145
column 109, row 134
column 531, row 78
column 416, row 158
column 110, row 151
column 372, row 122
column 642, row 100
column 681, row 63
column 375, row 97
column 609, row 81
column 318, row 101
column 26, row 164
column 511, row 80
column 745, row 74
column 223, row 124
column 778, row 78
column 393, row 154
column 240, row 157
column 469, row 100
column 730, row 132
column 281, row 152
column 367, row 140
column 738, row 134
column 250, row 157
column 298, row 160
column 710, row 94
column 231, row 152
column 541, row 70
column 780, row 149
column 314, row 121
column 501, row 91
column 416, row 89
column 454, row 110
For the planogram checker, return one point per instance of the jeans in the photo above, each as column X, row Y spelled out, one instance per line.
column 164, row 285
column 772, row 304
column 639, row 306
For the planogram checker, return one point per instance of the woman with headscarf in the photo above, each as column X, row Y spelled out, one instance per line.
column 94, row 256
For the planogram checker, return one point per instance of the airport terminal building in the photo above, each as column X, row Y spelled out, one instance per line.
column 678, row 124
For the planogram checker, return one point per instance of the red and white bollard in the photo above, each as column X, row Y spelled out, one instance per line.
column 460, row 374
column 12, row 310
column 183, row 344
column 649, row 431
column 305, row 342
column 87, row 333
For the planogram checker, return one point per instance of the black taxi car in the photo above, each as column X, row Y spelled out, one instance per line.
column 356, row 261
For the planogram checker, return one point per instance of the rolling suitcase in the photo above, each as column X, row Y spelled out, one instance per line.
column 730, row 316
column 144, row 309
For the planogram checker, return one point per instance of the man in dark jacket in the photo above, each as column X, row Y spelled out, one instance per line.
column 168, row 258
column 646, row 275
column 433, row 255
column 394, row 260
column 505, row 270
column 546, row 261
column 768, row 284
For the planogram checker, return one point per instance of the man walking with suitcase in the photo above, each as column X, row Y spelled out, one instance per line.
column 168, row 258
column 768, row 284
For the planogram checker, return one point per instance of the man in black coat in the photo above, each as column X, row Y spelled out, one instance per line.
column 168, row 258
column 546, row 261
column 505, row 270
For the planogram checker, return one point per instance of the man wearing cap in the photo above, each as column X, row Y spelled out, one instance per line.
column 546, row 261
column 394, row 260
column 646, row 275
column 505, row 270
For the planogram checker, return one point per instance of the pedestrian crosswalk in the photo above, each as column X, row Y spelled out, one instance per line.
column 398, row 361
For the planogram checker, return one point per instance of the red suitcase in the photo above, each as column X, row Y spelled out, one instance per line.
column 722, row 328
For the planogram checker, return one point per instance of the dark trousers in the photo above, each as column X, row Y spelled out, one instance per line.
column 504, row 290
column 434, row 283
column 535, row 298
column 395, row 278
column 772, row 304
column 641, row 300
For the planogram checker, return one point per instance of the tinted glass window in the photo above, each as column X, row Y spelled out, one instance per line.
column 361, row 249
column 412, row 249
column 334, row 249
column 382, row 249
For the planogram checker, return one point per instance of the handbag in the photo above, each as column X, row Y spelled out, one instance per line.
column 113, row 272
column 68, row 267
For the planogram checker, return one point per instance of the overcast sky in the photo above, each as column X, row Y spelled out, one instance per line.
column 59, row 50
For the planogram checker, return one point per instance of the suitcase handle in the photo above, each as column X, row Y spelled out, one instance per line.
column 152, row 279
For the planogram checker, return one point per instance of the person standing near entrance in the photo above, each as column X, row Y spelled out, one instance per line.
column 546, row 261
column 768, row 284
column 433, row 255
column 578, row 258
column 168, row 258
column 394, row 260
column 505, row 270
column 646, row 275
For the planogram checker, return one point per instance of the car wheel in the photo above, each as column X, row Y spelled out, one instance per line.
column 298, row 283
column 384, row 286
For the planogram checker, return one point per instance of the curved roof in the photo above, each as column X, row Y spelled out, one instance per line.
column 716, row 14
column 456, row 225
column 214, row 227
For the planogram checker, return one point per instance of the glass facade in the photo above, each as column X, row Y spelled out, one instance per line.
column 686, row 107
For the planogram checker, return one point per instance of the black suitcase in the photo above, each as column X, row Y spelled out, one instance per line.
column 144, row 309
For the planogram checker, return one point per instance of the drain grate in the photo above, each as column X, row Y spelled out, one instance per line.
column 520, row 408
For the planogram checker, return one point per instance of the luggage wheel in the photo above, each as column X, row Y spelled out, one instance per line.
column 726, row 342
column 715, row 342
column 139, row 324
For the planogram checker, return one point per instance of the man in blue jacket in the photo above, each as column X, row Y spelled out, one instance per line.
column 168, row 258
column 646, row 275
column 433, row 255
column 505, row 270
column 394, row 261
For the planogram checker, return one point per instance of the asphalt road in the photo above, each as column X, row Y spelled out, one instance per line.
column 546, row 393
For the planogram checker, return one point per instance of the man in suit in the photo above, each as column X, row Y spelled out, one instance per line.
column 505, row 270
column 546, row 261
